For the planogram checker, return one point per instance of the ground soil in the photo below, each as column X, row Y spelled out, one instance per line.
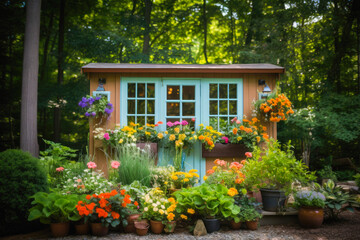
column 347, row 227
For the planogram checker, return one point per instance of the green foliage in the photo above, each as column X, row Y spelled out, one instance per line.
column 250, row 209
column 309, row 199
column 250, row 214
column 277, row 169
column 327, row 173
column 209, row 201
column 136, row 164
column 54, row 207
column 345, row 175
column 357, row 179
column 136, row 190
column 21, row 177
column 337, row 200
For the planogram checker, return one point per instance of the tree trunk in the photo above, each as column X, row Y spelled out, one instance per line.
column 256, row 13
column 146, row 46
column 60, row 62
column 205, row 31
column 28, row 130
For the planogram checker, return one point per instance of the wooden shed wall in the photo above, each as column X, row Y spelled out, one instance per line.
column 250, row 88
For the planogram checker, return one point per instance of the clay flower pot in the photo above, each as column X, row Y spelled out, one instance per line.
column 141, row 227
column 130, row 228
column 157, row 227
column 234, row 225
column 81, row 228
column 60, row 229
column 97, row 229
column 311, row 217
column 252, row 225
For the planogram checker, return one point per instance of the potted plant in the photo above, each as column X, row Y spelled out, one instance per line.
column 310, row 204
column 273, row 171
column 141, row 227
column 244, row 202
column 159, row 210
column 181, row 180
column 211, row 202
column 251, row 217
column 104, row 209
column 55, row 209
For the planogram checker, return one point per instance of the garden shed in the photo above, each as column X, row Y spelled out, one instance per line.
column 209, row 94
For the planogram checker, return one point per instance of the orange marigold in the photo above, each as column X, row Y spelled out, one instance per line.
column 115, row 215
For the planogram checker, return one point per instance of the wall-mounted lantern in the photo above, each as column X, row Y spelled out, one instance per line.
column 266, row 91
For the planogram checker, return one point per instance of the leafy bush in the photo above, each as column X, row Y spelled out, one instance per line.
column 357, row 179
column 327, row 173
column 21, row 177
column 345, row 175
column 136, row 164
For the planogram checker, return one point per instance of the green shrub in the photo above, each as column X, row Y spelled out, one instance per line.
column 21, row 177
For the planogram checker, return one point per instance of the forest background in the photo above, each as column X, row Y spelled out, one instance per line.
column 318, row 43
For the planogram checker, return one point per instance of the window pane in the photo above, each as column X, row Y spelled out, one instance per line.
column 140, row 106
column 223, row 122
column 232, row 91
column 188, row 92
column 188, row 109
column 232, row 107
column 130, row 119
column 214, row 122
column 223, row 107
column 223, row 90
column 141, row 90
column 213, row 107
column 131, row 106
column 150, row 120
column 173, row 92
column 131, row 89
column 141, row 120
column 151, row 106
column 173, row 109
column 213, row 90
column 150, row 90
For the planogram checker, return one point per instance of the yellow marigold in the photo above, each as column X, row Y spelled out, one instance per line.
column 183, row 216
column 195, row 137
column 132, row 124
column 205, row 177
column 238, row 138
column 186, row 179
column 201, row 125
column 160, row 135
column 172, row 200
column 173, row 177
column 182, row 136
column 170, row 216
column 166, row 132
column 258, row 139
column 121, row 140
column 196, row 175
column 148, row 133
column 193, row 171
column 177, row 130
column 161, row 211
column 140, row 128
column 191, row 211
column 232, row 192
column 214, row 168
column 172, row 137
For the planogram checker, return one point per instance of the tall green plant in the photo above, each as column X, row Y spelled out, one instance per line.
column 135, row 164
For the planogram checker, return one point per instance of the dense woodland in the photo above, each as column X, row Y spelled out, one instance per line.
column 318, row 43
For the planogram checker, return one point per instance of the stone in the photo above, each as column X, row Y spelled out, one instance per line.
column 200, row 229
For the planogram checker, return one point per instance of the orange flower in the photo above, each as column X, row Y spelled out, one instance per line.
column 115, row 215
column 210, row 142
column 94, row 195
column 122, row 192
column 242, row 128
column 136, row 203
column 234, row 131
column 127, row 199
column 255, row 120
column 113, row 192
column 103, row 202
column 123, row 204
column 101, row 213
column 90, row 206
column 88, row 197
column 239, row 180
column 201, row 137
column 210, row 171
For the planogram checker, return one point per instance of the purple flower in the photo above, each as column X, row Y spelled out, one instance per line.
column 110, row 105
column 91, row 100
column 97, row 98
column 87, row 114
column 184, row 123
column 108, row 111
column 93, row 114
column 169, row 124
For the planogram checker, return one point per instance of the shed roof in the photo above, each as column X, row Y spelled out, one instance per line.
column 184, row 68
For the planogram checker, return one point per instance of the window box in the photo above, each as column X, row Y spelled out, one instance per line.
column 225, row 150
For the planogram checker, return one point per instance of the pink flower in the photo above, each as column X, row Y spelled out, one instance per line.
column 238, row 121
column 193, row 119
column 169, row 124
column 91, row 165
column 226, row 139
column 234, row 119
column 115, row 164
column 106, row 136
column 79, row 180
column 184, row 123
column 248, row 154
column 60, row 169
column 236, row 165
column 177, row 123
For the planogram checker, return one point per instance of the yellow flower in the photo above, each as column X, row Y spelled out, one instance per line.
column 172, row 137
column 179, row 143
column 195, row 137
column 214, row 168
column 140, row 128
column 132, row 124
column 201, row 125
column 177, row 130
column 196, row 175
column 258, row 139
column 239, row 138
column 186, row 179
column 183, row 216
column 147, row 133
column 121, row 140
column 161, row 211
column 172, row 200
column 232, row 192
column 173, row 177
column 205, row 177
column 170, row 217
column 165, row 183
column 160, row 135
column 182, row 136
column 166, row 132
column 193, row 171
column 191, row 211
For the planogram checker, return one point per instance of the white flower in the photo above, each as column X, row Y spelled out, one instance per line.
column 162, row 206
column 75, row 185
column 154, row 205
column 158, row 203
column 146, row 209
column 155, row 209
column 150, row 201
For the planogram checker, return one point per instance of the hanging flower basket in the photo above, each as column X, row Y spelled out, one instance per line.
column 225, row 150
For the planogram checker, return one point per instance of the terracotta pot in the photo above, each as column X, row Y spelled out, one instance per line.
column 170, row 227
column 97, row 229
column 157, row 227
column 60, row 229
column 252, row 225
column 82, row 228
column 130, row 228
column 141, row 227
column 311, row 217
column 234, row 225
